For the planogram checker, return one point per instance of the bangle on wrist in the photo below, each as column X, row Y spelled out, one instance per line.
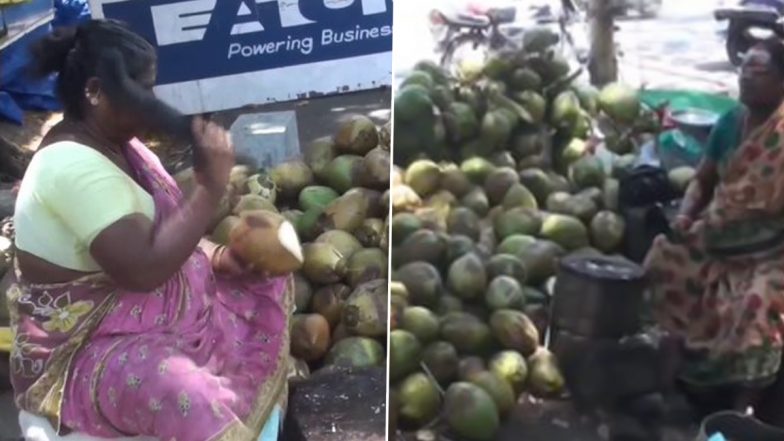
column 217, row 255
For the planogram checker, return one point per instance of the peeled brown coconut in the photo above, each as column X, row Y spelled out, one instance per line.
column 268, row 241
column 310, row 337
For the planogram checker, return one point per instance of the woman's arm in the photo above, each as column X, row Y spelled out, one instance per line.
column 139, row 258
column 700, row 192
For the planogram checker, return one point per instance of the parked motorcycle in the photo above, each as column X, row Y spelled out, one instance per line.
column 749, row 21
column 479, row 30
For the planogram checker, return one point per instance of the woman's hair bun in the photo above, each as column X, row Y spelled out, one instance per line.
column 51, row 52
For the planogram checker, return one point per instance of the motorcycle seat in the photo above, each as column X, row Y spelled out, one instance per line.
column 465, row 20
column 502, row 15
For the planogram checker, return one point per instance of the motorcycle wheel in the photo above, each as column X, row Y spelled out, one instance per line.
column 477, row 42
column 737, row 44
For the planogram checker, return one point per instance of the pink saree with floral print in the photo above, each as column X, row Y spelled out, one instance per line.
column 202, row 357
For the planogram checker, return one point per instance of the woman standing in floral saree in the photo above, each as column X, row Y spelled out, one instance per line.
column 718, row 281
column 128, row 323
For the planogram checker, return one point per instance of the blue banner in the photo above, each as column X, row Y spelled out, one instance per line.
column 199, row 39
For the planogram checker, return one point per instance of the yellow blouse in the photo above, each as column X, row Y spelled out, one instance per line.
column 69, row 194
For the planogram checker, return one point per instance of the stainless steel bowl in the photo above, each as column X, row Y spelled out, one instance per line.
column 695, row 122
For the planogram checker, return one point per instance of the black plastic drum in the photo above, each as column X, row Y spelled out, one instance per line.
column 598, row 297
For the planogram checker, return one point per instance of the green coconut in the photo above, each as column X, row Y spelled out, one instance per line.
column 470, row 412
column 517, row 221
column 620, row 102
column 525, row 79
column 505, row 292
column 540, row 259
column 422, row 245
column 458, row 246
column 512, row 367
column 329, row 301
column 375, row 168
column 343, row 172
column 370, row 232
column 463, row 221
column 365, row 265
column 610, row 194
column 318, row 156
column 423, row 176
column 346, row 212
column 356, row 352
column 469, row 367
column 357, row 134
column 309, row 225
column 504, row 264
column 323, row 263
column 460, row 121
column 403, row 225
column 291, row 177
column 421, row 322
column 477, row 169
column 498, row 182
column 316, row 196
column 566, row 231
column 607, row 231
column 419, row 77
column 519, row 196
column 466, row 333
column 303, row 292
column 447, row 304
column 586, row 172
column 514, row 330
column 477, row 201
column 419, row 400
column 545, row 378
column 467, row 278
column 366, row 310
column 566, row 111
column 516, row 245
column 534, row 103
column 253, row 202
column 405, row 354
column 499, row 389
column 441, row 359
column 423, row 282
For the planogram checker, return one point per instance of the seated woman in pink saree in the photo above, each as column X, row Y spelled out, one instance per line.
column 127, row 322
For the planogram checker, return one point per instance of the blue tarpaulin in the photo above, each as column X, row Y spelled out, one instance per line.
column 18, row 92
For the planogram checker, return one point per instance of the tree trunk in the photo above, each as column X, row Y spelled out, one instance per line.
column 603, row 65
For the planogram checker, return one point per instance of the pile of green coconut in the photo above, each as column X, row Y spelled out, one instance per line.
column 497, row 177
column 323, row 219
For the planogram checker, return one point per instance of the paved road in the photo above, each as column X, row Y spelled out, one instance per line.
column 681, row 48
